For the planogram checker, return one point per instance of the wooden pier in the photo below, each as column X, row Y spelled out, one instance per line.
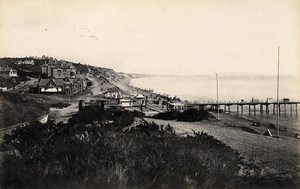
column 266, row 107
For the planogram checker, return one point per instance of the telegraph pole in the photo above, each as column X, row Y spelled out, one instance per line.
column 217, row 80
column 278, row 93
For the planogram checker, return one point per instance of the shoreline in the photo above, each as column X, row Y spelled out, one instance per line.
column 255, row 148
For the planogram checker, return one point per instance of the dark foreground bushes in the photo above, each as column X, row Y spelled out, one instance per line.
column 188, row 115
column 170, row 115
column 103, row 156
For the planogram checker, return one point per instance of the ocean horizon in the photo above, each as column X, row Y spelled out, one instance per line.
column 231, row 88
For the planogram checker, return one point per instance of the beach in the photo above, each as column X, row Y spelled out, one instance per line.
column 275, row 156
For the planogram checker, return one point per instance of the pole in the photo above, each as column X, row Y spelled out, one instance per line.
column 278, row 93
column 217, row 95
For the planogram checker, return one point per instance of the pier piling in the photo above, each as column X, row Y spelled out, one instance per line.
column 249, row 109
column 285, row 109
column 242, row 109
column 261, row 109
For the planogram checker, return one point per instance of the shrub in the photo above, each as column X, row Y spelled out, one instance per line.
column 149, row 156
column 195, row 115
column 170, row 115
column 249, row 130
column 189, row 115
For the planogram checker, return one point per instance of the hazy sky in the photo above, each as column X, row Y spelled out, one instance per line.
column 153, row 36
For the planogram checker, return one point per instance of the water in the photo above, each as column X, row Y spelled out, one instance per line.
column 203, row 89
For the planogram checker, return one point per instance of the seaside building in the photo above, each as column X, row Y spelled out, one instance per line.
column 66, row 86
column 126, row 102
column 176, row 106
column 114, row 95
column 61, row 77
column 8, row 72
column 58, row 69
column 51, row 85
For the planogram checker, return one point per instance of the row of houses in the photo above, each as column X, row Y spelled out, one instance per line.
column 68, row 86
column 25, row 62
column 60, row 77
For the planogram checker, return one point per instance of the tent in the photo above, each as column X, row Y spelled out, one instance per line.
column 267, row 133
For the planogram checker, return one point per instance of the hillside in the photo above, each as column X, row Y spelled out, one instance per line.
column 32, row 69
column 17, row 109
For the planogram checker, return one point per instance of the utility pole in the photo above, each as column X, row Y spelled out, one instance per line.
column 217, row 80
column 278, row 93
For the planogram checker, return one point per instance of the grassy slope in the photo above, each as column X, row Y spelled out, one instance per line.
column 16, row 109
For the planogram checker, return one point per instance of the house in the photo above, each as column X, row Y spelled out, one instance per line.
column 126, row 102
column 25, row 62
column 58, row 85
column 8, row 72
column 51, row 86
column 140, row 96
column 74, row 86
column 57, row 69
column 114, row 95
column 3, row 88
column 140, row 100
column 176, row 106
column 99, row 103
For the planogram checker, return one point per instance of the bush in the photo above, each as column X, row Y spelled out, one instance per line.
column 195, row 115
column 149, row 156
column 120, row 118
column 189, row 115
column 249, row 130
column 170, row 115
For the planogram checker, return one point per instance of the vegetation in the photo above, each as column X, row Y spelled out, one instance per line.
column 25, row 70
column 17, row 109
column 99, row 154
column 189, row 115
column 170, row 115
column 60, row 105
column 9, row 82
column 249, row 130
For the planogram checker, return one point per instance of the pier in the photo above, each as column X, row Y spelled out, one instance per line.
column 267, row 107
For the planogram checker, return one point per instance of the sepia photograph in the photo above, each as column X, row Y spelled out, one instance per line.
column 149, row 94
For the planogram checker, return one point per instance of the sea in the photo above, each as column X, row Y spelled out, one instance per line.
column 231, row 88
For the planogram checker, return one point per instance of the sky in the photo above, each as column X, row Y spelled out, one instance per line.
column 230, row 37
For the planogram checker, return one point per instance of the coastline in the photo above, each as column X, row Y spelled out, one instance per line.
column 254, row 148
